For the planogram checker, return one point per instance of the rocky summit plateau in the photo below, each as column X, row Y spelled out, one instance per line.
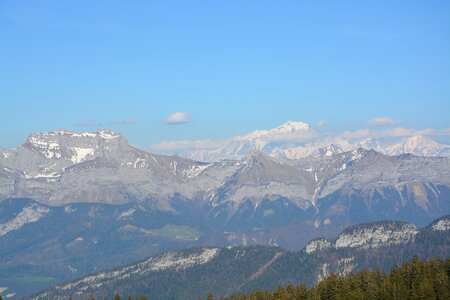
column 82, row 202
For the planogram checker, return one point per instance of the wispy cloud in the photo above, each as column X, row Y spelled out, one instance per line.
column 382, row 121
column 391, row 132
column 177, row 118
column 127, row 121
column 321, row 123
column 186, row 144
column 89, row 123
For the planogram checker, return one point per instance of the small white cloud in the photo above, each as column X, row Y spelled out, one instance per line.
column 357, row 134
column 188, row 145
column 89, row 123
column 321, row 123
column 382, row 121
column 177, row 118
column 128, row 121
column 390, row 132
column 401, row 132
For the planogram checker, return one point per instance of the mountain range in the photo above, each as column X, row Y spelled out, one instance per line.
column 75, row 203
column 189, row 273
column 296, row 140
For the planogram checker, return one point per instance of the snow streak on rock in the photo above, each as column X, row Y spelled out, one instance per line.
column 169, row 260
column 29, row 214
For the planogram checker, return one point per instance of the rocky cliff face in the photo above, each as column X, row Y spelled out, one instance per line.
column 63, row 167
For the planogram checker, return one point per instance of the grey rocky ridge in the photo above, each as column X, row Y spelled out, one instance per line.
column 87, row 201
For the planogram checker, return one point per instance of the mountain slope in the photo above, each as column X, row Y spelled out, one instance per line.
column 150, row 203
column 188, row 273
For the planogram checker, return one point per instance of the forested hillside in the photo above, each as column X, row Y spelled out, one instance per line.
column 416, row 279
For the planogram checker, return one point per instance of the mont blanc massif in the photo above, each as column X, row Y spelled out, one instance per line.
column 88, row 214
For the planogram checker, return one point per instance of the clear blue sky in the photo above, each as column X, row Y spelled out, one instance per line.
column 234, row 66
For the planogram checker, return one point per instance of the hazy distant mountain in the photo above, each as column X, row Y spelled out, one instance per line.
column 295, row 140
column 418, row 145
column 188, row 273
column 94, row 201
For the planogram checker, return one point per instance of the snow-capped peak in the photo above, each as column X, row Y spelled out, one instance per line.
column 291, row 126
column 107, row 134
column 418, row 145
column 73, row 146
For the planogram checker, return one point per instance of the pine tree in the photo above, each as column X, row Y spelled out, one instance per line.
column 210, row 296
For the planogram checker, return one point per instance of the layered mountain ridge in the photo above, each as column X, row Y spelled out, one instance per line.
column 69, row 197
column 237, row 269
column 64, row 167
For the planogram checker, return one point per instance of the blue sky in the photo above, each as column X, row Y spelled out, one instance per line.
column 231, row 66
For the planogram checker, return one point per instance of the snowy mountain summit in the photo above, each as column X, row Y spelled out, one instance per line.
column 296, row 140
column 76, row 147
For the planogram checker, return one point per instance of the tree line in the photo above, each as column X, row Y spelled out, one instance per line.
column 415, row 280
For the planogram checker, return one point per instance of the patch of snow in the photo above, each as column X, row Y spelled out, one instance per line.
column 194, row 171
column 127, row 214
column 80, row 154
column 174, row 166
column 29, row 214
column 84, row 134
column 356, row 155
column 42, row 175
column 442, row 225
column 6, row 155
column 50, row 149
column 107, row 135
column 69, row 209
column 139, row 163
